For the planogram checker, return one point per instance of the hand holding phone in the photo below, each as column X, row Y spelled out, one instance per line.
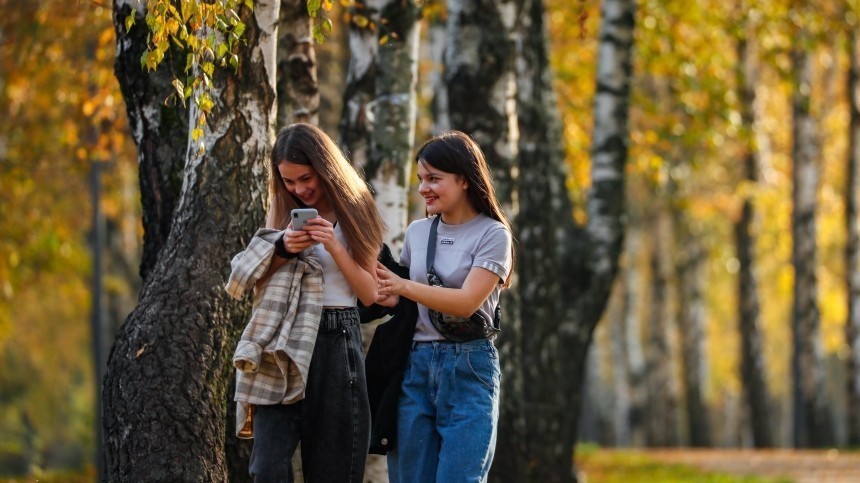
column 300, row 216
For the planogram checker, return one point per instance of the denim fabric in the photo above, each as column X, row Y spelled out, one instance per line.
column 448, row 413
column 333, row 420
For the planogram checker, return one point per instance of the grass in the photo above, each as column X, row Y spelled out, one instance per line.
column 597, row 466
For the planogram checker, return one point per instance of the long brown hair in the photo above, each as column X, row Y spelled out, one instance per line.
column 455, row 152
column 345, row 189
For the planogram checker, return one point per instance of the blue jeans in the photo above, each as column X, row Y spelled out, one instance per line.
column 448, row 413
column 332, row 421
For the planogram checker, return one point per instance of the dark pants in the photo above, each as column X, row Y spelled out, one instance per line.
column 332, row 421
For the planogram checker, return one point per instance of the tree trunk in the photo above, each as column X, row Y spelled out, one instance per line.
column 298, row 88
column 159, row 128
column 389, row 167
column 634, row 359
column 588, row 262
column 752, row 370
column 852, row 246
column 812, row 424
column 663, row 424
column 356, row 119
column 477, row 98
column 168, row 372
column 479, row 78
column 691, row 321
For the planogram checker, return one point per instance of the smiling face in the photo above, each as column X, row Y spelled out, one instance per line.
column 443, row 192
column 305, row 184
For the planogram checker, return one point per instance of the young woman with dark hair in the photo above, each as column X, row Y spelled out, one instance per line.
column 459, row 260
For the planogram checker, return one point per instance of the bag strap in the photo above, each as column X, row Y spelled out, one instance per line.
column 431, row 244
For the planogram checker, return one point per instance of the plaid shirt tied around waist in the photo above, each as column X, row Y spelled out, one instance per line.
column 274, row 353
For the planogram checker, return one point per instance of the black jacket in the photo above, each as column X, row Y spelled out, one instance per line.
column 386, row 360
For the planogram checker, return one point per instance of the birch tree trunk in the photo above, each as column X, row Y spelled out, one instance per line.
column 298, row 88
column 753, row 364
column 634, row 359
column 167, row 380
column 394, row 110
column 852, row 248
column 812, row 424
column 590, row 257
column 662, row 410
column 690, row 274
column 355, row 122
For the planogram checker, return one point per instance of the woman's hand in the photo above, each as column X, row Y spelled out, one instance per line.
column 296, row 241
column 388, row 300
column 321, row 230
column 388, row 283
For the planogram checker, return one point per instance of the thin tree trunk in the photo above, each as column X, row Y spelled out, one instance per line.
column 663, row 425
column 168, row 372
column 634, row 359
column 691, row 321
column 753, row 364
column 298, row 88
column 852, row 246
column 812, row 424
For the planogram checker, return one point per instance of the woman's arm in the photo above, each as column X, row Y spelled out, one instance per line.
column 361, row 277
column 294, row 242
column 462, row 302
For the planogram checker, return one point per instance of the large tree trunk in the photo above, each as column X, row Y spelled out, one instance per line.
column 298, row 89
column 159, row 129
column 852, row 246
column 582, row 262
column 389, row 167
column 752, row 370
column 812, row 424
column 479, row 84
column 167, row 380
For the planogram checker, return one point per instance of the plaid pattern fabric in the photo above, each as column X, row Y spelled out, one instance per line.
column 274, row 353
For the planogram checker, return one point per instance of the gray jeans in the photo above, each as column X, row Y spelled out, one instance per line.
column 333, row 420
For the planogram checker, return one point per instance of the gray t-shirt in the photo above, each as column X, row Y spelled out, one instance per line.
column 480, row 242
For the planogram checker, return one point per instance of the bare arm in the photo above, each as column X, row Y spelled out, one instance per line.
column 361, row 277
column 461, row 302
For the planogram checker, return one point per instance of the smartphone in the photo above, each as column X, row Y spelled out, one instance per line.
column 300, row 216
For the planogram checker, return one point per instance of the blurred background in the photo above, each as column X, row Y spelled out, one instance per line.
column 65, row 150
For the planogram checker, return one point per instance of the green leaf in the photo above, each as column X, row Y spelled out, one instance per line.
column 129, row 21
column 313, row 8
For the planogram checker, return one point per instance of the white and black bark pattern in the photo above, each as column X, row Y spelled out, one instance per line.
column 691, row 318
column 812, row 424
column 574, row 277
column 159, row 128
column 479, row 79
column 356, row 120
column 166, row 388
column 394, row 107
column 852, row 247
column 662, row 410
column 297, row 84
column 592, row 257
column 541, row 209
column 752, row 370
column 634, row 358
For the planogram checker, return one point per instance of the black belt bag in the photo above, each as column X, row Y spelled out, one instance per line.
column 452, row 327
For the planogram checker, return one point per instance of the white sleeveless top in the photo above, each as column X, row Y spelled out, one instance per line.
column 336, row 290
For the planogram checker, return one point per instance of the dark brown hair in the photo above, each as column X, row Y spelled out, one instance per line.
column 455, row 152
